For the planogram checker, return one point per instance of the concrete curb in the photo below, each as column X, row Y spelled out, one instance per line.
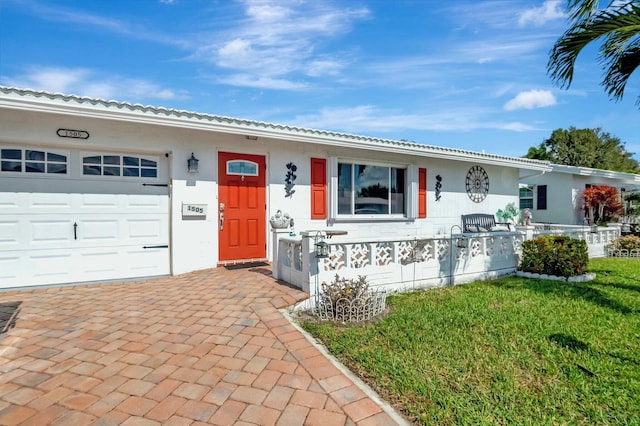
column 576, row 279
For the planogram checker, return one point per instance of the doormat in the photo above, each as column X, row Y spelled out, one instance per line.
column 8, row 315
column 246, row 265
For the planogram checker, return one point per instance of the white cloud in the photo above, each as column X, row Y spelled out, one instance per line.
column 321, row 68
column 78, row 19
column 279, row 39
column 368, row 119
column 236, row 54
column 538, row 16
column 86, row 82
column 49, row 78
column 250, row 80
column 501, row 48
column 530, row 100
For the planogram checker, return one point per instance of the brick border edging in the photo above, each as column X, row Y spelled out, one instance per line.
column 370, row 393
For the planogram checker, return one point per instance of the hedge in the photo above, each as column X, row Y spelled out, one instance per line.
column 554, row 255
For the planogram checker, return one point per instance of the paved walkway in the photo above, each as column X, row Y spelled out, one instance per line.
column 208, row 347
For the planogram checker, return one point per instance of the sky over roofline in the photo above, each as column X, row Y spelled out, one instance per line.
column 407, row 71
column 116, row 107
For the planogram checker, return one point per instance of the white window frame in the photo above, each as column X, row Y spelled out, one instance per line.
column 24, row 173
column 531, row 198
column 411, row 191
column 141, row 156
column 229, row 173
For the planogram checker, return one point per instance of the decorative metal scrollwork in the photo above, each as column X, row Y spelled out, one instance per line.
column 477, row 184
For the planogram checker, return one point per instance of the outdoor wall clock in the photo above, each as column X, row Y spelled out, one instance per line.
column 477, row 184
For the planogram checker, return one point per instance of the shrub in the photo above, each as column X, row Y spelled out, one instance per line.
column 554, row 255
column 349, row 300
column 342, row 288
column 628, row 242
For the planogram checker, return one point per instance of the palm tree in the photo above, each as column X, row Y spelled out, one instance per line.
column 617, row 26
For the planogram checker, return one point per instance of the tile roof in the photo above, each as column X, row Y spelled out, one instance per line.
column 169, row 116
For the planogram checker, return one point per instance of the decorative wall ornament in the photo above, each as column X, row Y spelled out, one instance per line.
column 280, row 220
column 289, row 180
column 527, row 217
column 477, row 184
column 438, row 187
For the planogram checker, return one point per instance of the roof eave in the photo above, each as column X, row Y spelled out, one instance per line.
column 586, row 171
column 24, row 99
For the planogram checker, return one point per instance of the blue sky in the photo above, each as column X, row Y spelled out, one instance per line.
column 462, row 74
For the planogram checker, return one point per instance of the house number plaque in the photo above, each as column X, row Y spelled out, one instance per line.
column 194, row 210
column 76, row 134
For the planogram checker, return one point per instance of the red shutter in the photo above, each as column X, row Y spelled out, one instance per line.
column 422, row 193
column 318, row 188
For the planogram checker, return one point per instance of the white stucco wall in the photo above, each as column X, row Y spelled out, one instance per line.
column 194, row 241
column 564, row 195
column 560, row 198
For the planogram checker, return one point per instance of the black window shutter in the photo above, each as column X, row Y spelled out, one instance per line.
column 542, row 197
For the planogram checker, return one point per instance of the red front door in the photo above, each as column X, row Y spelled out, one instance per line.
column 242, row 207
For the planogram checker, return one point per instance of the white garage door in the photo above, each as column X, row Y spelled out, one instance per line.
column 73, row 216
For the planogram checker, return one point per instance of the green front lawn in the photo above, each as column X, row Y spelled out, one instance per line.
column 513, row 350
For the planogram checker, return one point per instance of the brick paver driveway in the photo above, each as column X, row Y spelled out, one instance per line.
column 208, row 347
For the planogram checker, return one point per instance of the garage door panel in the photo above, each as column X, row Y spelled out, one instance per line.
column 100, row 263
column 50, row 264
column 115, row 218
column 71, row 265
column 10, row 266
column 8, row 202
column 33, row 233
column 144, row 203
column 51, row 232
column 145, row 261
column 93, row 231
column 46, row 202
column 144, row 229
column 99, row 202
column 9, row 233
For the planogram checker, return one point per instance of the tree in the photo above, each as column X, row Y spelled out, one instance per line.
column 617, row 27
column 602, row 203
column 585, row 148
column 632, row 203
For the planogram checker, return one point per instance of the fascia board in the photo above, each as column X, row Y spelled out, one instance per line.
column 586, row 171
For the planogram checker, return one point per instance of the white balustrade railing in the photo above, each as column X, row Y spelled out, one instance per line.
column 410, row 263
column 399, row 264
column 597, row 238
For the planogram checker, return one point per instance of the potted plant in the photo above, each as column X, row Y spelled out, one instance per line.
column 510, row 214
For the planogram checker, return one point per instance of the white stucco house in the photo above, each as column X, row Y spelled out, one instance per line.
column 555, row 196
column 94, row 190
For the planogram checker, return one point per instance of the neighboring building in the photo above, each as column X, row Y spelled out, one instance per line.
column 556, row 196
column 100, row 190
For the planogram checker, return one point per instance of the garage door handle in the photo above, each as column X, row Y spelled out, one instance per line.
column 75, row 231
column 150, row 247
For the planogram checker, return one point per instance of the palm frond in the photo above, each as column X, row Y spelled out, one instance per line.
column 619, row 28
column 620, row 67
column 581, row 9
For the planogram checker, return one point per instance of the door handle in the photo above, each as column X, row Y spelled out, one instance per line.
column 221, row 221
column 75, row 230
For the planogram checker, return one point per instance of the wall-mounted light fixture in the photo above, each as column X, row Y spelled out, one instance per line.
column 462, row 243
column 192, row 164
